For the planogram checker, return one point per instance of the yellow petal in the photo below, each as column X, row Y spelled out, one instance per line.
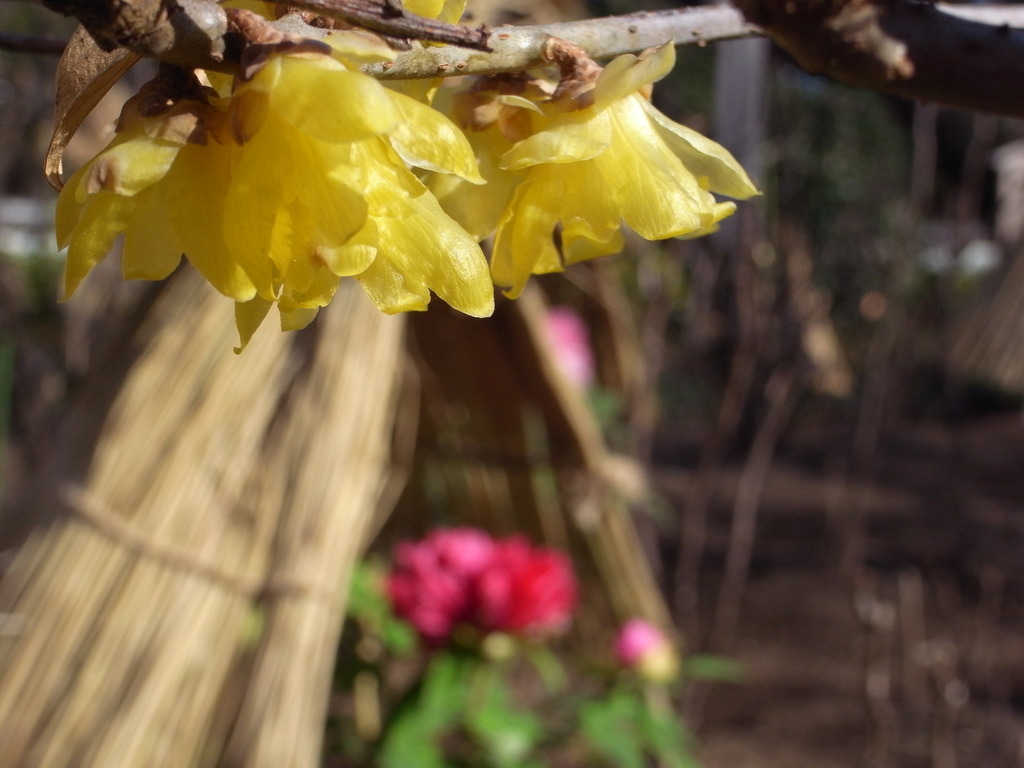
column 703, row 156
column 219, row 81
column 636, row 180
column 445, row 10
column 322, row 98
column 524, row 242
column 282, row 206
column 247, row 112
column 577, row 248
column 425, row 138
column 587, row 226
column 478, row 209
column 249, row 315
column 420, row 249
column 128, row 165
column 355, row 46
column 194, row 194
column 151, row 249
column 627, row 74
column 334, row 202
column 579, row 136
column 354, row 256
column 428, row 8
column 69, row 208
column 511, row 100
column 424, row 90
column 299, row 308
column 318, row 293
column 298, row 318
column 656, row 195
column 264, row 9
column 721, row 211
column 102, row 219
column 582, row 241
column 452, row 11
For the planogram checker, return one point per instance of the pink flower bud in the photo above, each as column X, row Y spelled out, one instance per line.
column 643, row 647
column 571, row 341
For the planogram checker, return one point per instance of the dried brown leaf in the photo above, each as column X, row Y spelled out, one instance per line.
column 84, row 75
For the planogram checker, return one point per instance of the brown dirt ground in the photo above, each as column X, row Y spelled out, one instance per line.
column 913, row 658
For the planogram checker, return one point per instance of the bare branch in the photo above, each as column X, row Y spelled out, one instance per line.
column 1010, row 15
column 391, row 19
column 517, row 48
column 905, row 47
column 902, row 47
column 189, row 33
column 22, row 44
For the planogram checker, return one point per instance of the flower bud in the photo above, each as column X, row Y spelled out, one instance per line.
column 571, row 340
column 643, row 648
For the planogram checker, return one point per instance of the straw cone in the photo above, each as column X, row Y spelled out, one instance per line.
column 327, row 464
column 127, row 615
column 514, row 446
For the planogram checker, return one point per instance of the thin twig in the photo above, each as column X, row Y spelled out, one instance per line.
column 517, row 48
column 781, row 390
column 21, row 44
column 999, row 15
column 389, row 18
column 902, row 47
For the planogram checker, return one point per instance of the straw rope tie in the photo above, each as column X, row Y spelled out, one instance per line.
column 86, row 507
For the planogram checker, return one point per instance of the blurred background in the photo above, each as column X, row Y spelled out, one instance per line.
column 815, row 414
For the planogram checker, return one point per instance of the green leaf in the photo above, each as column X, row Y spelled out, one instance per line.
column 366, row 599
column 445, row 687
column 610, row 727
column 411, row 742
column 399, row 637
column 369, row 606
column 415, row 734
column 707, row 667
column 607, row 405
column 549, row 668
column 666, row 737
column 508, row 735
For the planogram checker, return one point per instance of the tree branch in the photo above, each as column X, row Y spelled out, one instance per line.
column 1010, row 15
column 517, row 48
column 903, row 47
column 21, row 44
column 189, row 33
column 391, row 19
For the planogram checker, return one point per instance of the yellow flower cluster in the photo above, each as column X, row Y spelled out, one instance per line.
column 296, row 179
column 302, row 170
column 566, row 171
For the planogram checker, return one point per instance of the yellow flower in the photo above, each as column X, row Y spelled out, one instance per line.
column 267, row 10
column 144, row 185
column 494, row 120
column 277, row 190
column 593, row 160
column 322, row 187
column 445, row 10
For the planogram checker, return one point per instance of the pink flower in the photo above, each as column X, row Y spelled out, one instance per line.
column 571, row 340
column 431, row 585
column 526, row 590
column 462, row 576
column 643, row 647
